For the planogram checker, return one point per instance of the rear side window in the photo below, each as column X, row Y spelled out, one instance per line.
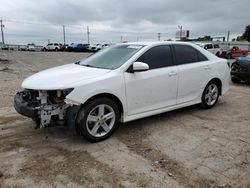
column 187, row 54
column 157, row 57
column 201, row 57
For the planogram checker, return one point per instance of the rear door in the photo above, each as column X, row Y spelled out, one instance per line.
column 155, row 88
column 194, row 72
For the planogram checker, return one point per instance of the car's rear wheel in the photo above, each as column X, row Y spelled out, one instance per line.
column 210, row 95
column 98, row 119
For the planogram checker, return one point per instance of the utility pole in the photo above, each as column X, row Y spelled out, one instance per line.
column 228, row 34
column 88, row 33
column 64, row 41
column 180, row 27
column 2, row 26
column 159, row 36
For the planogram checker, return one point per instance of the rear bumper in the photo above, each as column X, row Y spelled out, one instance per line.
column 23, row 107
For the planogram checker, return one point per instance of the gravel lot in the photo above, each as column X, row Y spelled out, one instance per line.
column 190, row 147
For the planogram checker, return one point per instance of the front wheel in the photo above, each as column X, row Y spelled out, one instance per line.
column 98, row 119
column 210, row 95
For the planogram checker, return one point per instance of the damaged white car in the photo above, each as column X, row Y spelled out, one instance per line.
column 123, row 83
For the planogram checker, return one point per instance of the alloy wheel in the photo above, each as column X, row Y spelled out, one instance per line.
column 100, row 120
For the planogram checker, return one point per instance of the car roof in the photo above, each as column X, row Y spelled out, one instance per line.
column 155, row 43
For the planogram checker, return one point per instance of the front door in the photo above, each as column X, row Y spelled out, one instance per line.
column 155, row 88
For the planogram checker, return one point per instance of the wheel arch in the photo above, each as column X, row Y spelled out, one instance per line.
column 100, row 95
column 109, row 96
column 219, row 82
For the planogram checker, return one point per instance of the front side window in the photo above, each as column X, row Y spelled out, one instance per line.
column 157, row 57
column 187, row 54
column 112, row 57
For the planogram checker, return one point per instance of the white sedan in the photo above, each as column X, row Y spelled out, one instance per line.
column 122, row 83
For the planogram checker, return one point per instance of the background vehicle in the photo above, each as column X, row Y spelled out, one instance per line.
column 95, row 47
column 235, row 51
column 240, row 70
column 64, row 47
column 6, row 47
column 78, row 47
column 53, row 47
column 123, row 83
column 31, row 47
column 22, row 47
column 213, row 48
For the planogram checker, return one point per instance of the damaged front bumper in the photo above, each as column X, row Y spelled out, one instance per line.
column 46, row 107
column 24, row 107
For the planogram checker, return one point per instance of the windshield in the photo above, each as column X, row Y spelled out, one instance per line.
column 112, row 57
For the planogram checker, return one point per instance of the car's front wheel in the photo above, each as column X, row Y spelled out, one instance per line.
column 210, row 95
column 98, row 119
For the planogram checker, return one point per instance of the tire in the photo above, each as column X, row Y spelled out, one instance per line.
column 92, row 122
column 56, row 49
column 218, row 54
column 235, row 80
column 235, row 67
column 210, row 95
column 229, row 56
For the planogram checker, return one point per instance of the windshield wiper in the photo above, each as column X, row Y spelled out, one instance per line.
column 89, row 66
column 78, row 63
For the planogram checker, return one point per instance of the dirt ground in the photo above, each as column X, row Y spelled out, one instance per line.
column 189, row 147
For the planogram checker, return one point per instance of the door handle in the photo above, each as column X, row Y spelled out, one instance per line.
column 172, row 73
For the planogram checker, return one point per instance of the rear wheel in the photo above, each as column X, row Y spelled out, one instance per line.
column 229, row 56
column 98, row 119
column 210, row 95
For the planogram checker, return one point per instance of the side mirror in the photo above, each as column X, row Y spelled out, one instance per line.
column 139, row 66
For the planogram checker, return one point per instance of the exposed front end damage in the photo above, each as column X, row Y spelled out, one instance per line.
column 44, row 107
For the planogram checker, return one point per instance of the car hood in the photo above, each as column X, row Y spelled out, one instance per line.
column 62, row 77
column 244, row 61
column 243, row 58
